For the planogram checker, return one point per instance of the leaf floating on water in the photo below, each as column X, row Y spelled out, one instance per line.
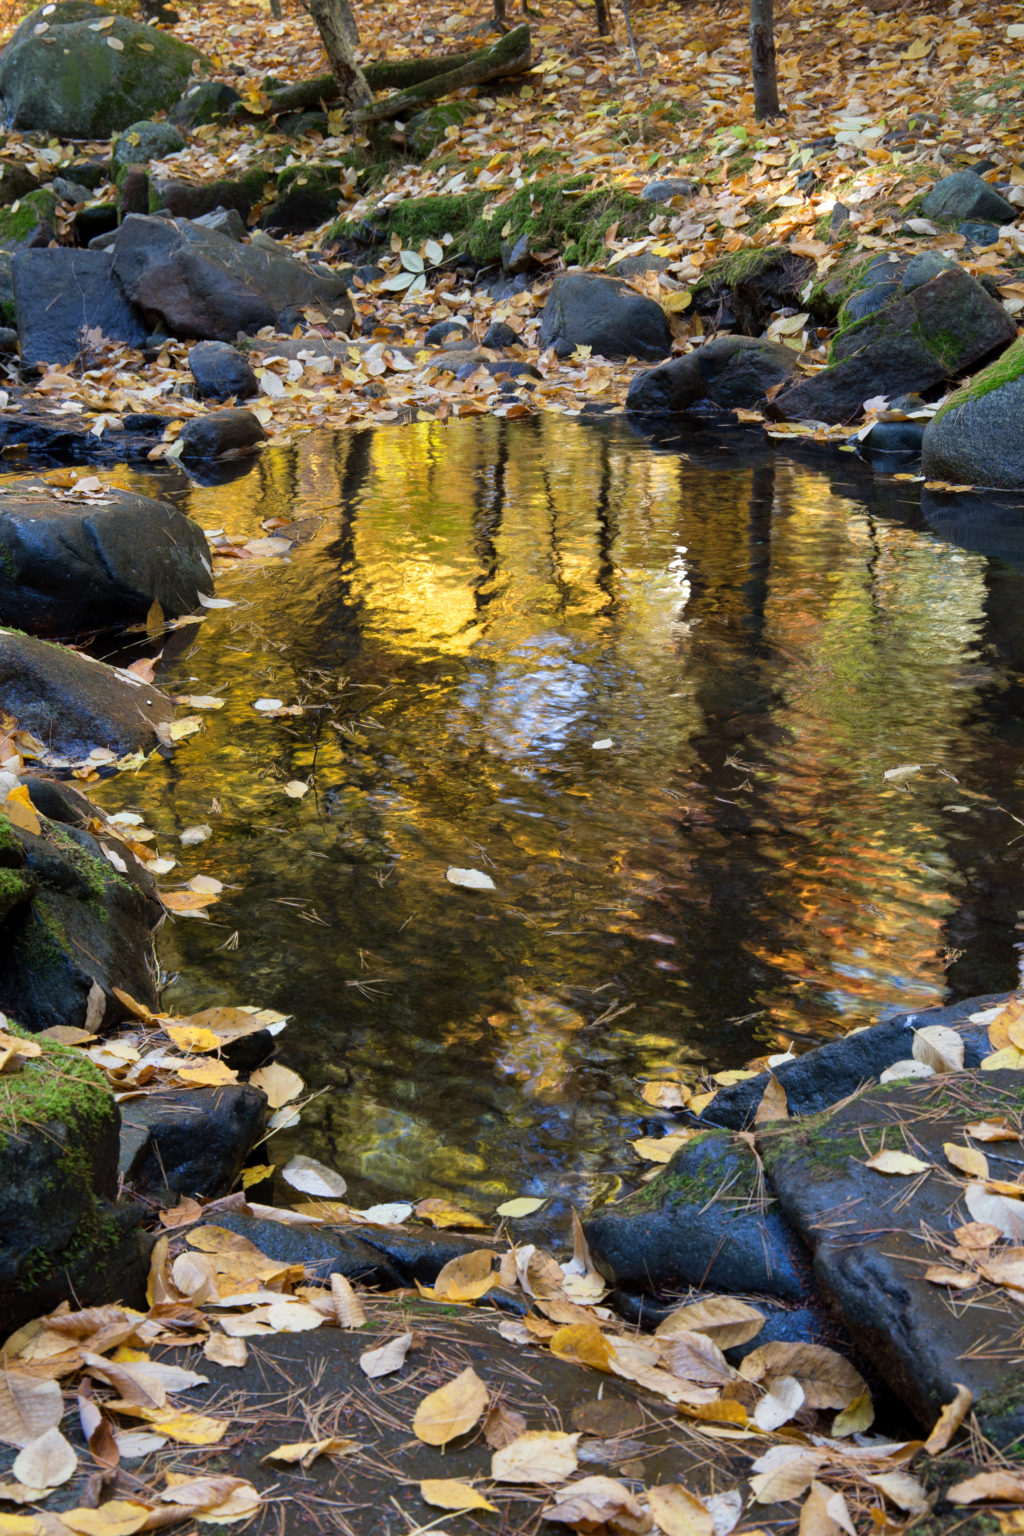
column 666, row 1094
column 470, row 879
column 522, row 1205
column 904, row 771
column 216, row 602
column 281, row 1085
column 264, row 705
column 313, row 1178
column 442, row 1213
column 602, row 745
column 296, row 788
column 197, row 834
column 452, row 1410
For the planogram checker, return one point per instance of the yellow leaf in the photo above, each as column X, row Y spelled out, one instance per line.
column 523, row 1205
column 676, row 303
column 467, row 1277
column 452, row 1410
column 990, row 1130
column 949, row 1421
column 918, row 49
column 442, row 1213
column 1008, row 1059
column 1007, row 1028
column 449, row 1493
column 856, row 1418
column 208, row 1074
column 968, row 1159
column 280, row 1084
column 901, row 1163
column 118, row 1517
column 187, row 1037
column 257, row 1174
column 182, row 1427
column 307, row 1451
column 20, row 811
column 661, row 1149
column 677, row 1512
column 582, row 1344
column 723, row 1319
column 187, row 901
column 666, row 1094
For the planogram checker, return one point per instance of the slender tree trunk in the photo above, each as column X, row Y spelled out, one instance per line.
column 348, row 21
column 762, row 59
column 601, row 17
column 499, row 12
column 329, row 16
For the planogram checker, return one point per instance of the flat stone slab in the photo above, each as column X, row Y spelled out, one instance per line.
column 875, row 1234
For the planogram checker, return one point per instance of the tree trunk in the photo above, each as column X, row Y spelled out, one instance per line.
column 499, row 12
column 508, row 56
column 601, row 17
column 329, row 16
column 762, row 59
column 348, row 21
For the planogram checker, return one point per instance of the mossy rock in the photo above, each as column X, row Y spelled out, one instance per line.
column 977, row 437
column 25, row 215
column 429, row 129
column 145, row 141
column 67, row 80
column 555, row 213
column 753, row 284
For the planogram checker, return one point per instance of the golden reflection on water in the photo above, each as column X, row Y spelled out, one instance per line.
column 474, row 607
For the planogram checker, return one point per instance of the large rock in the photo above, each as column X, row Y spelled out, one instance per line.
column 875, row 1234
column 75, row 704
column 965, row 196
column 729, row 372
column 220, row 372
column 190, row 1143
column 197, row 283
column 833, row 1071
column 747, row 288
column 605, row 314
column 60, row 74
column 221, row 434
column 82, row 931
column 71, row 565
column 45, row 436
column 977, row 437
column 59, row 294
column 145, row 141
column 927, row 336
column 61, row 1236
column 703, row 1221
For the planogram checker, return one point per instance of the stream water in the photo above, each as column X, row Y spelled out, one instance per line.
column 652, row 692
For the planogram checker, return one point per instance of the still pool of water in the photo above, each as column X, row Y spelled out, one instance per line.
column 653, row 692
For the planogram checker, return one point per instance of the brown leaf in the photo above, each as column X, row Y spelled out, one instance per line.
column 949, row 1421
column 502, row 1425
column 1001, row 1486
column 828, row 1380
column 773, row 1105
column 824, row 1513
column 597, row 1502
column 28, row 1408
column 695, row 1357
column 452, row 1410
column 723, row 1319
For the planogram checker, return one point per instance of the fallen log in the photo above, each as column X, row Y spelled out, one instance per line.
column 398, row 75
column 510, row 55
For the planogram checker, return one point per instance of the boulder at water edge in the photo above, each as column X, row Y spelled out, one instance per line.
column 977, row 438
column 74, row 704
column 605, row 314
column 730, row 372
column 75, row 71
column 60, row 295
column 61, row 1233
column 71, row 563
column 82, row 925
column 923, row 338
column 199, row 284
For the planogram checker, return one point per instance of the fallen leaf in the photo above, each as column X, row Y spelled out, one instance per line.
column 828, row 1380
column 997, row 1211
column 538, row 1456
column 502, row 1425
column 694, row 1357
column 677, row 1512
column 824, row 1513
column 225, row 1351
column 466, row 1277
column 281, row 1085
column 596, row 1502
column 783, row 1399
column 46, row 1462
column 665, row 1094
column 967, row 1159
column 939, row 1047
column 522, row 1205
column 903, row 1490
column 773, row 1105
column 1001, row 1486
column 949, row 1421
column 442, row 1214
column 28, row 1408
column 118, row 1517
column 470, row 879
column 955, row 1279
column 448, row 1493
column 582, row 1344
column 452, row 1410
column 346, row 1307
column 305, row 1452
column 723, row 1319
column 386, row 1357
column 900, row 1163
column 991, row 1130
column 313, row 1178
column 784, row 1472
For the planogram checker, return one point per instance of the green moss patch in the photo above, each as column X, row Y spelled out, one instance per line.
column 1006, row 370
column 560, row 214
column 19, row 220
column 59, row 1087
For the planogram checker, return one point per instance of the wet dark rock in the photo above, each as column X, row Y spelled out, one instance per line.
column 447, row 330
column 62, row 1237
column 16, row 180
column 977, row 438
column 226, row 221
column 388, row 1257
column 965, row 196
column 58, row 75
column 91, row 173
column 838, row 221
column 701, row 1222
column 70, row 191
column 198, row 283
column 895, row 437
column 308, row 194
column 978, row 234
column 220, row 371
column 85, row 929
column 871, row 1241
column 206, row 101
column 926, row 337
column 729, row 372
column 74, row 704
column 923, row 267
column 181, row 198
column 92, row 223
column 868, row 301
column 220, row 433
column 497, row 367
column 193, row 1143
column 665, row 190
column 636, row 266
column 145, row 141
column 499, row 336
column 517, row 258
column 830, row 1072
column 754, row 287
column 49, row 438
column 60, row 293
column 133, row 192
column 8, row 341
column 586, row 309
column 70, row 566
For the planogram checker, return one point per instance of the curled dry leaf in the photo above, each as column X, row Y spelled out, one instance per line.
column 449, row 1493
column 991, row 1130
column 949, row 1421
column 538, row 1456
column 855, row 1419
column 346, row 1307
column 677, row 1512
column 695, row 1357
column 467, row 1277
column 828, row 1380
column 939, row 1047
column 825, row 1513
column 596, row 1502
column 955, row 1279
column 305, row 1452
column 452, row 1410
column 118, row 1517
column 225, row 1351
column 386, row 1357
column 783, row 1399
column 1002, row 1486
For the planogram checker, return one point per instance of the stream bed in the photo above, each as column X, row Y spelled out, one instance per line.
column 652, row 691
